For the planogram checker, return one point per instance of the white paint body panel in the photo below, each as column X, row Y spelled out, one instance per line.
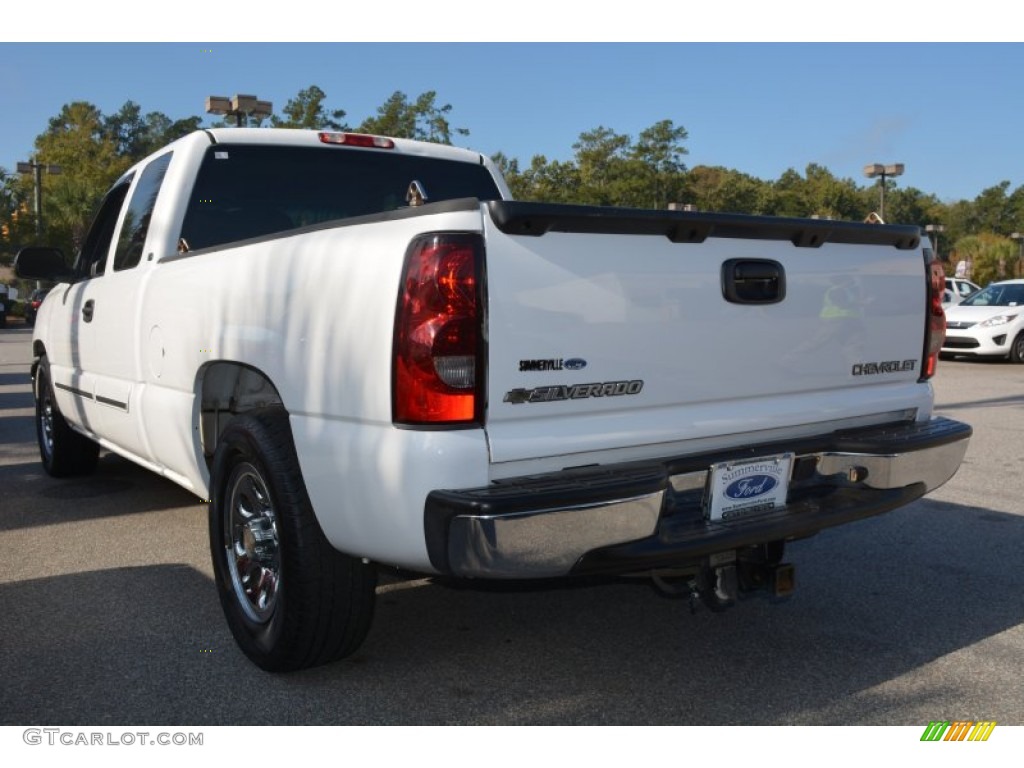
column 644, row 308
column 314, row 312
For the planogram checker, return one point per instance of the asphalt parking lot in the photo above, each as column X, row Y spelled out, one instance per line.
column 109, row 614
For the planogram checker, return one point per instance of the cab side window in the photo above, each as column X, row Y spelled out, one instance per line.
column 91, row 258
column 140, row 209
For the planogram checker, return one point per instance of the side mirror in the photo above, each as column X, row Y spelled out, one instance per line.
column 40, row 263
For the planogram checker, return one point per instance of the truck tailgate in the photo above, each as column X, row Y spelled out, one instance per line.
column 611, row 328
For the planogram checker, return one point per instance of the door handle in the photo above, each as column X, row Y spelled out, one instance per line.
column 87, row 311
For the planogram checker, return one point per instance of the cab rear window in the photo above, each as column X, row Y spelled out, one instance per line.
column 245, row 191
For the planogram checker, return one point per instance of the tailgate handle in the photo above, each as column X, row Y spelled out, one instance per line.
column 753, row 281
column 87, row 311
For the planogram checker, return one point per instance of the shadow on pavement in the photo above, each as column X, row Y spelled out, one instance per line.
column 877, row 602
column 118, row 487
column 992, row 402
column 21, row 377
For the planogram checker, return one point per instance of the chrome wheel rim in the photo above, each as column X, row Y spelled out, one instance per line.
column 252, row 547
column 46, row 420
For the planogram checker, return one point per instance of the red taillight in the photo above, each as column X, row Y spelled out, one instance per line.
column 438, row 349
column 935, row 326
column 356, row 140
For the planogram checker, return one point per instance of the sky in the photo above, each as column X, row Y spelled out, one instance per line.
column 950, row 112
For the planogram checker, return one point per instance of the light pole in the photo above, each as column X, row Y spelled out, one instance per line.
column 876, row 170
column 239, row 106
column 934, row 230
column 36, row 169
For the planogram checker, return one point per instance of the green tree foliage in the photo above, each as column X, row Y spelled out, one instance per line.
column 993, row 210
column 608, row 168
column 92, row 150
column 991, row 256
column 817, row 193
column 615, row 170
column 958, row 219
column 127, row 128
column 12, row 194
column 554, row 182
column 80, row 142
column 135, row 136
column 831, row 197
column 912, row 206
column 603, row 166
column 509, row 169
column 17, row 226
column 1016, row 200
column 307, row 110
column 713, row 188
column 69, row 205
column 507, row 166
column 657, row 157
column 421, row 119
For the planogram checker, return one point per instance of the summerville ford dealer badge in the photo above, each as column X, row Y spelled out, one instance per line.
column 747, row 487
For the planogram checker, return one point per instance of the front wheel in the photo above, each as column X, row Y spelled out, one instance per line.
column 1017, row 349
column 63, row 451
column 292, row 601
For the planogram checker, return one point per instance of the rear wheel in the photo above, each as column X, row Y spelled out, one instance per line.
column 64, row 452
column 291, row 600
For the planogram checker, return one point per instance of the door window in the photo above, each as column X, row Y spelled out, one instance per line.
column 140, row 209
column 92, row 257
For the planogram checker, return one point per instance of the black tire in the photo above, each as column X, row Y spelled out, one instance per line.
column 64, row 452
column 292, row 601
column 1017, row 349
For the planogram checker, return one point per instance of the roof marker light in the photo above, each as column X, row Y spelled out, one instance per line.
column 356, row 140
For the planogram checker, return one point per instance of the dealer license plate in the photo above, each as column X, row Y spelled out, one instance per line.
column 739, row 488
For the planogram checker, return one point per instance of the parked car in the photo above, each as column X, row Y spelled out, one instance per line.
column 988, row 323
column 8, row 296
column 957, row 289
column 32, row 305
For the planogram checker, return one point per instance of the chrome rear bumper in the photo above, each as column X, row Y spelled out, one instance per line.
column 651, row 514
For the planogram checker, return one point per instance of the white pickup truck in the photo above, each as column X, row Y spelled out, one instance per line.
column 362, row 352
